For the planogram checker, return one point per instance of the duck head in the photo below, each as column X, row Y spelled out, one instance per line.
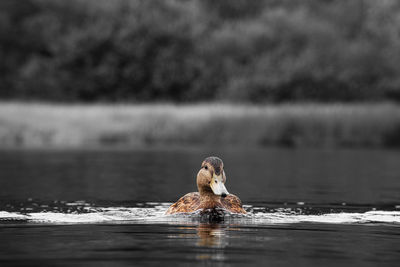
column 211, row 177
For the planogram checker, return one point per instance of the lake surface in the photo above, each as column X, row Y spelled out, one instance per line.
column 105, row 207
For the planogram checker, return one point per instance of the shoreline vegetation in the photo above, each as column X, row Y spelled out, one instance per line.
column 41, row 125
column 256, row 51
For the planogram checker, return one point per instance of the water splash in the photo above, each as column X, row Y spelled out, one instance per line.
column 82, row 212
column 369, row 217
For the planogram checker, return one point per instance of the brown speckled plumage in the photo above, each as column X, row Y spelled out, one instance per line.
column 205, row 198
column 191, row 202
column 188, row 203
column 233, row 204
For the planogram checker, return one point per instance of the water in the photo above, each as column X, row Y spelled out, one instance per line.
column 106, row 207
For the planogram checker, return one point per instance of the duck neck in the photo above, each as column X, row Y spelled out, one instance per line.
column 209, row 200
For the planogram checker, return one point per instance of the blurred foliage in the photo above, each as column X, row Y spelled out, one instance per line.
column 200, row 50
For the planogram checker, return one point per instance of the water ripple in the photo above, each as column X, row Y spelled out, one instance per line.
column 155, row 213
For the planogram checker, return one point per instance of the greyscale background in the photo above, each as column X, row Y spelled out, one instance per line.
column 293, row 73
column 108, row 107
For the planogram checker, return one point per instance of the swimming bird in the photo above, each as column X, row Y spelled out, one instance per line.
column 212, row 195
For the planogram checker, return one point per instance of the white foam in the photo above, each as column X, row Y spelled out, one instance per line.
column 5, row 215
column 156, row 214
column 333, row 218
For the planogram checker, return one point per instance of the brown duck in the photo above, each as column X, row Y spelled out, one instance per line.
column 212, row 192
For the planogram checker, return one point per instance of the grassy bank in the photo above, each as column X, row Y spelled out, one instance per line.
column 315, row 125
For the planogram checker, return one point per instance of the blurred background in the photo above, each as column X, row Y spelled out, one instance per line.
column 263, row 72
column 110, row 106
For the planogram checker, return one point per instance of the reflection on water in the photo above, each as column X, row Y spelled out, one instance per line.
column 212, row 236
column 90, row 208
column 144, row 235
column 194, row 244
column 208, row 235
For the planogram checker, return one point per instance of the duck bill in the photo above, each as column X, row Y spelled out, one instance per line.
column 218, row 187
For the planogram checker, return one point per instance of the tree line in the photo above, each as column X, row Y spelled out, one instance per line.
column 199, row 50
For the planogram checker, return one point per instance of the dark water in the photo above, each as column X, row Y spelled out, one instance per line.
column 105, row 207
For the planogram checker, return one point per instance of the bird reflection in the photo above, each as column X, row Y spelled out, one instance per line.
column 211, row 235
